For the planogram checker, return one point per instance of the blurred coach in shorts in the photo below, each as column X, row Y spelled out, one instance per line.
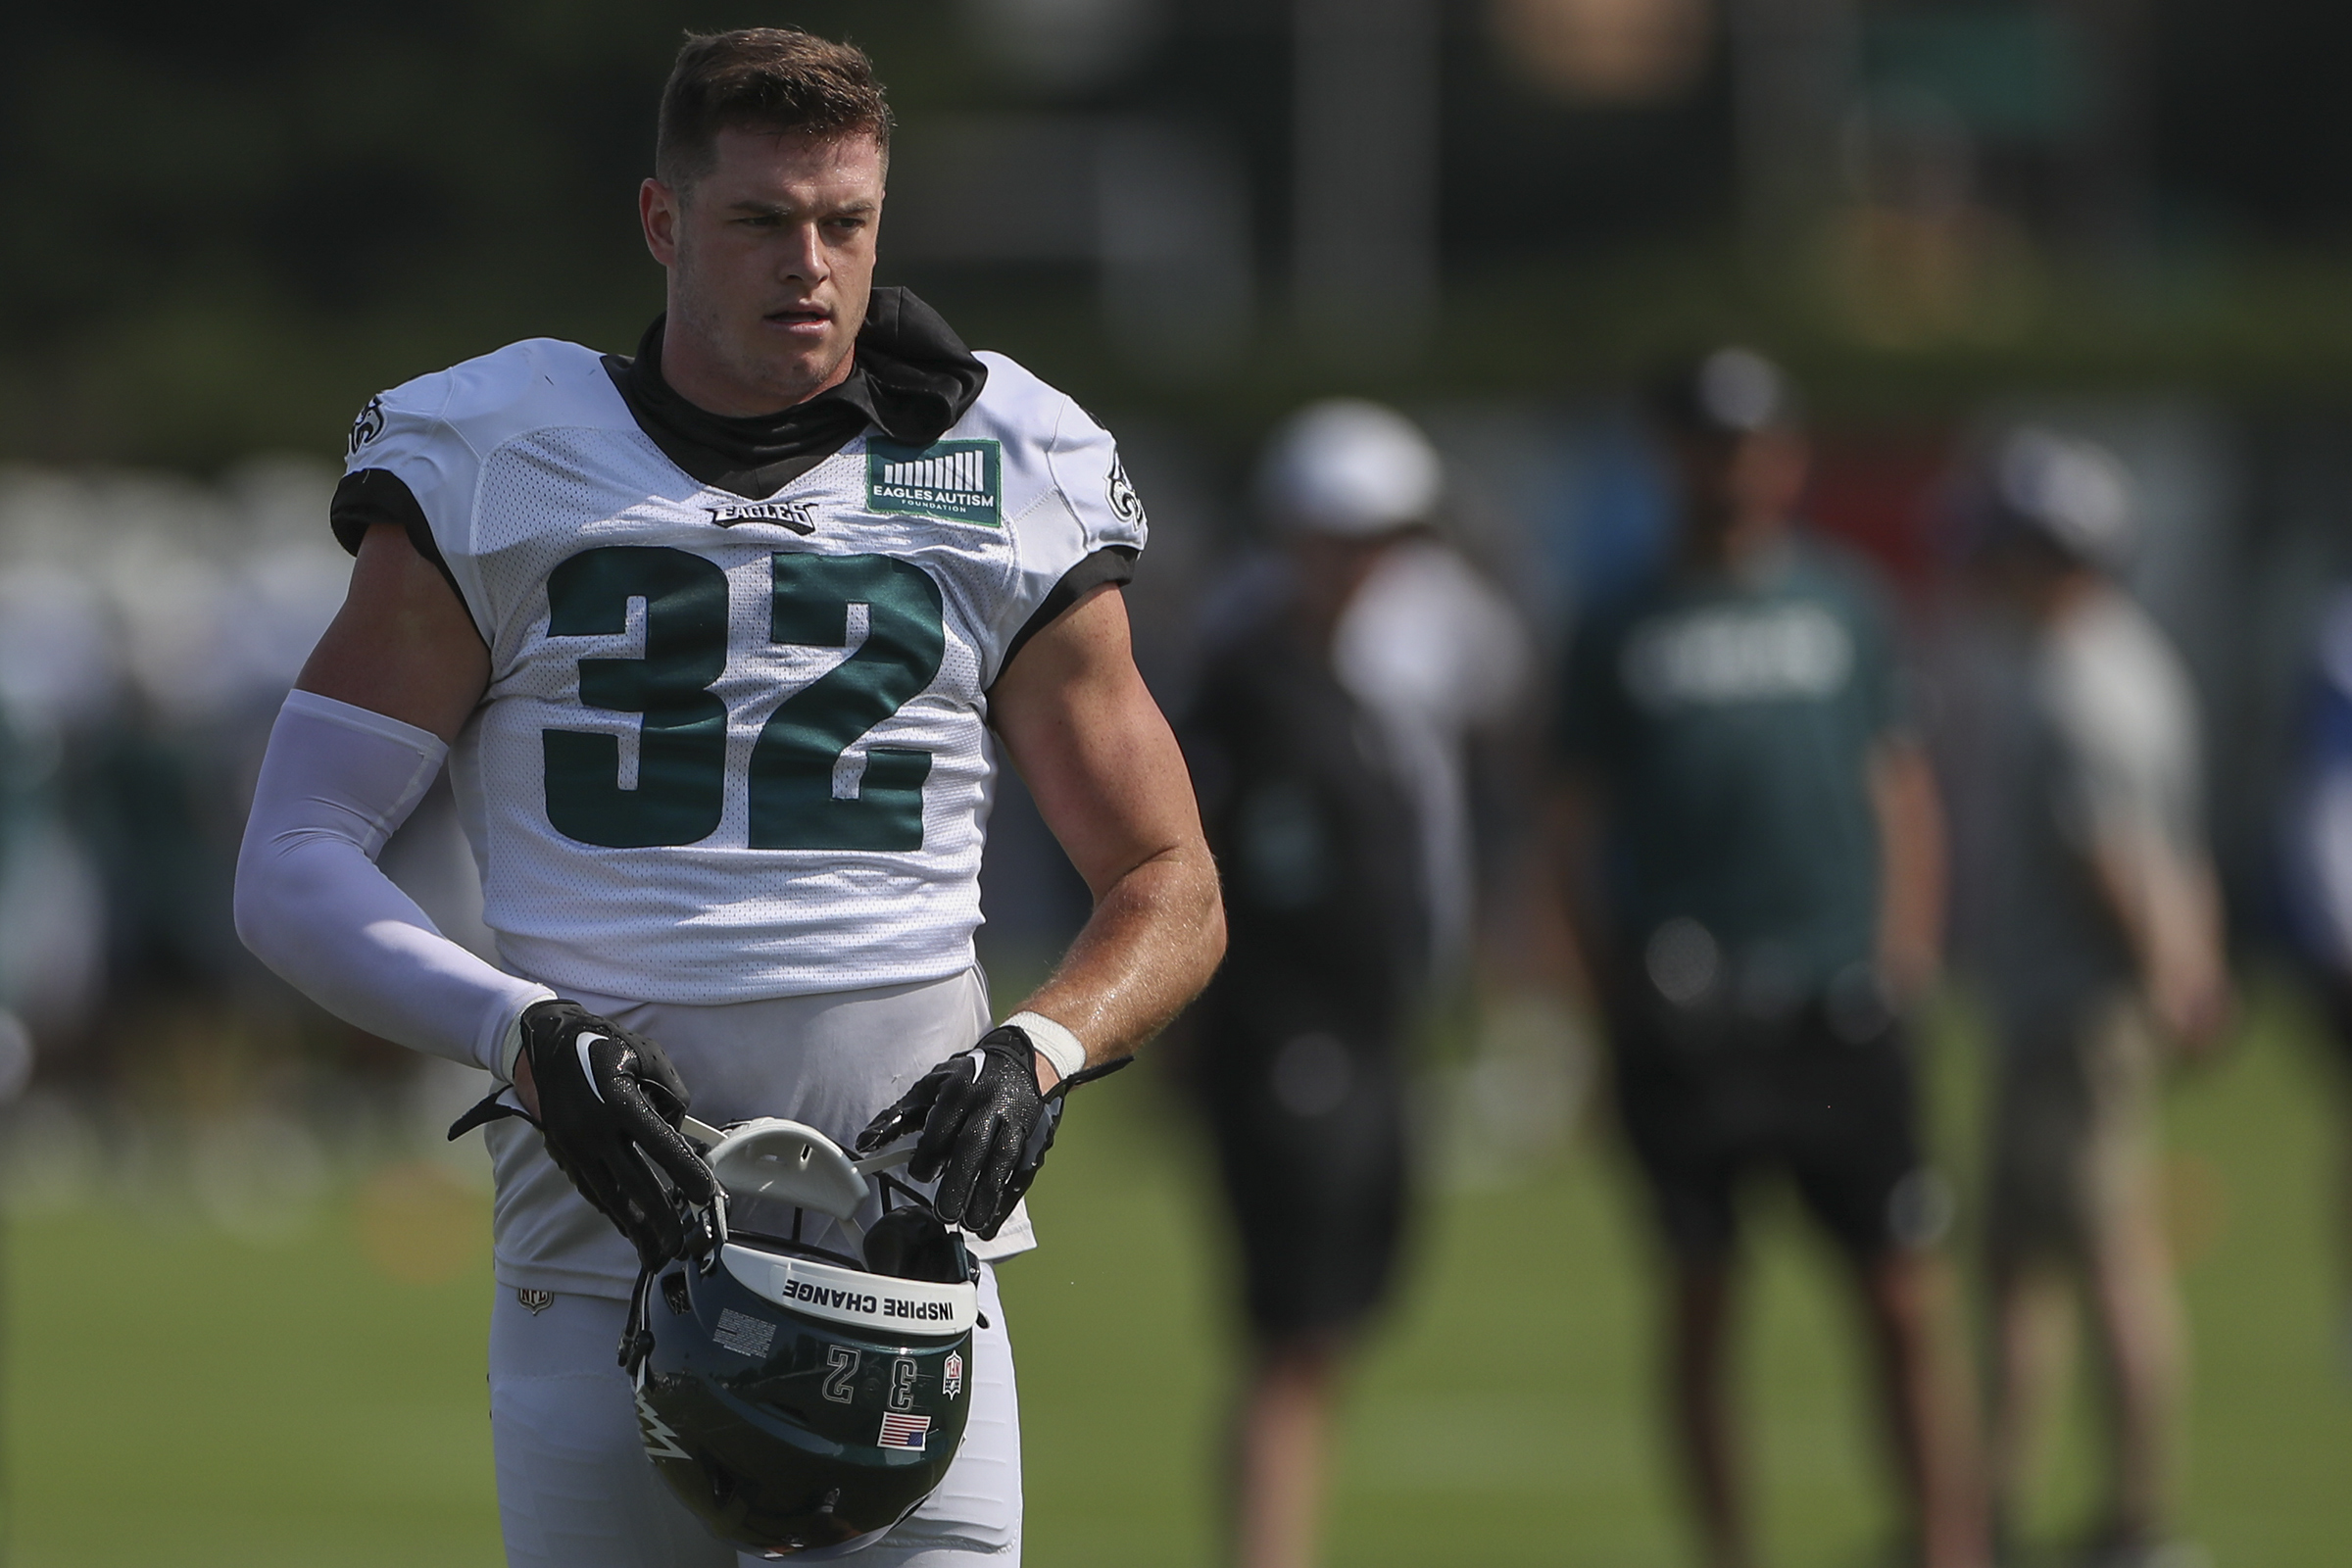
column 2108, row 959
column 1753, row 847
column 1327, row 740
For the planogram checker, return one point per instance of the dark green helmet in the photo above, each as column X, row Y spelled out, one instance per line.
column 795, row 1397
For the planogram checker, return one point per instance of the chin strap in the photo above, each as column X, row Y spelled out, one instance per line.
column 707, row 1228
column 492, row 1107
column 706, row 1223
column 637, row 1335
column 1040, row 1136
column 1087, row 1075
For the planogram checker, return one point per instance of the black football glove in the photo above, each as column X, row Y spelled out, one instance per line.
column 609, row 1104
column 985, row 1128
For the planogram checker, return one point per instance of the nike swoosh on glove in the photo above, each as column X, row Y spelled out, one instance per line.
column 609, row 1104
column 985, row 1128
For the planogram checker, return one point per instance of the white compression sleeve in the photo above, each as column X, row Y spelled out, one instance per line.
column 336, row 782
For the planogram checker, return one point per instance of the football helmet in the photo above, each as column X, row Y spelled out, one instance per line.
column 803, row 1369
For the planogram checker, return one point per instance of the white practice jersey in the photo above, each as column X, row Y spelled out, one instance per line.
column 735, row 750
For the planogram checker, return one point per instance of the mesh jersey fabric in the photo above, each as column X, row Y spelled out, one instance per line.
column 734, row 750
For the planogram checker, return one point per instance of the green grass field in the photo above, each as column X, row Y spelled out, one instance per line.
column 175, row 1395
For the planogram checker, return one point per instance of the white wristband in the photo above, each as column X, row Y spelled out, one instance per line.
column 510, row 1044
column 509, row 1047
column 1052, row 1041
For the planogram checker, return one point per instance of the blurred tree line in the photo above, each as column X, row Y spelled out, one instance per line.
column 231, row 223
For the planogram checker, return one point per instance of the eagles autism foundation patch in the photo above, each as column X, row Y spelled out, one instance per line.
column 957, row 480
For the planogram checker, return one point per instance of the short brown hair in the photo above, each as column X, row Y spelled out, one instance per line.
column 763, row 78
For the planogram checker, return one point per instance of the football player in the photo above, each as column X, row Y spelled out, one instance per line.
column 714, row 640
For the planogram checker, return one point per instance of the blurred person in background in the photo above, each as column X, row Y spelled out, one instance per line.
column 2317, row 845
column 2108, row 959
column 1751, row 843
column 1327, row 746
column 148, row 629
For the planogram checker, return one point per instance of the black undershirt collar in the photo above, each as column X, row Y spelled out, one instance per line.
column 911, row 379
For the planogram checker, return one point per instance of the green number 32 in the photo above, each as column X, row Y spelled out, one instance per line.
column 682, row 735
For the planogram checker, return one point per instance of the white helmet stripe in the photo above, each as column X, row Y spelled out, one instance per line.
column 879, row 1303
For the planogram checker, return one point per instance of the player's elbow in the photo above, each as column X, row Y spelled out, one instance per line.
column 1208, row 924
column 270, row 905
column 255, row 903
column 1212, row 946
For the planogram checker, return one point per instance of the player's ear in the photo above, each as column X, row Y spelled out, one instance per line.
column 659, row 207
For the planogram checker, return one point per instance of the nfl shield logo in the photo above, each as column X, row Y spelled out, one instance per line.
column 951, row 1376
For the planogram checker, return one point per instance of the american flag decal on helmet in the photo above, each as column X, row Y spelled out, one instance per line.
column 903, row 1431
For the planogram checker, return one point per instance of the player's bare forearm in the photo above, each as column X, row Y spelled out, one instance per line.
column 1104, row 769
column 1153, row 942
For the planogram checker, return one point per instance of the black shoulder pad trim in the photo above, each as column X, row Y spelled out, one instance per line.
column 377, row 495
column 1112, row 563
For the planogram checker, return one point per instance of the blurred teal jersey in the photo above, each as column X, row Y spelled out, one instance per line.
column 1728, row 722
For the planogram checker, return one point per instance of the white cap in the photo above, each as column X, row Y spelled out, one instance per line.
column 2072, row 493
column 1351, row 468
column 1741, row 390
column 1732, row 392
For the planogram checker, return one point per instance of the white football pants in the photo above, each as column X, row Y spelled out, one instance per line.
column 577, row 1491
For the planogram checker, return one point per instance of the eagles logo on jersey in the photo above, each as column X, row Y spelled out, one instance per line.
column 1125, row 505
column 367, row 427
column 723, row 757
